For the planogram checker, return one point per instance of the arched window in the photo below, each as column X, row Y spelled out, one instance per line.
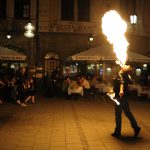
column 51, row 62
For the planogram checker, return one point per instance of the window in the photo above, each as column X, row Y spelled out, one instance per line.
column 138, row 72
column 84, row 10
column 2, row 9
column 22, row 9
column 67, row 9
column 108, row 71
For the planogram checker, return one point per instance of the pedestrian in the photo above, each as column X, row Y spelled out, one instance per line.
column 120, row 88
column 22, row 86
column 65, row 86
column 30, row 91
column 2, row 89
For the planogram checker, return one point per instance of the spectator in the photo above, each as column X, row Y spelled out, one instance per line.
column 85, row 84
column 65, row 85
column 22, row 87
column 31, row 91
column 13, row 90
column 2, row 90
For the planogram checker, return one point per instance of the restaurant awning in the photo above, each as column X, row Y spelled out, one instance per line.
column 105, row 52
column 8, row 54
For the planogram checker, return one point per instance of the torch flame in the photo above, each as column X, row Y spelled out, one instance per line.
column 114, row 27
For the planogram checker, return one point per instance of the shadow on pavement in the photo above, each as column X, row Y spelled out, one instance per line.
column 130, row 139
column 5, row 118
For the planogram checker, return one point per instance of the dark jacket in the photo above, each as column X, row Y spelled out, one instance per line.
column 124, row 79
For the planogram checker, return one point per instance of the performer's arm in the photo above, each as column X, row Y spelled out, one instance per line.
column 121, row 93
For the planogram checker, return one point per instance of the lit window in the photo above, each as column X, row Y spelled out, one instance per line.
column 144, row 66
column 108, row 71
column 22, row 9
column 26, row 10
column 138, row 72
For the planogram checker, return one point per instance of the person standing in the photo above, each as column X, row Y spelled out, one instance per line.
column 22, row 86
column 120, row 88
column 30, row 91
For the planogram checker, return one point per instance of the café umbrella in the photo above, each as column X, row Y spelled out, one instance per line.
column 104, row 52
column 11, row 55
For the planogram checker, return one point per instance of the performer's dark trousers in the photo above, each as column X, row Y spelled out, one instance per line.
column 124, row 106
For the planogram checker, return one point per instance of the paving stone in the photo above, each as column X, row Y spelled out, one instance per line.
column 83, row 124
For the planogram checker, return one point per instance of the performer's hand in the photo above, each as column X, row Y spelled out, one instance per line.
column 121, row 94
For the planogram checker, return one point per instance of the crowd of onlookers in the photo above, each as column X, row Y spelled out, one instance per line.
column 67, row 86
column 17, row 87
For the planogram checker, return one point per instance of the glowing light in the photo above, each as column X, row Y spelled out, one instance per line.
column 144, row 65
column 133, row 19
column 29, row 34
column 29, row 26
column 114, row 27
column 111, row 96
column 29, row 30
column 8, row 36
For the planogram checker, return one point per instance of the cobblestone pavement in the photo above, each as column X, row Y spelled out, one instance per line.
column 76, row 124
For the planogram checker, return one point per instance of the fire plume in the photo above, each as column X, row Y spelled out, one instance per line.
column 114, row 27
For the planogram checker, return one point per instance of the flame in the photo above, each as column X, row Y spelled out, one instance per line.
column 114, row 27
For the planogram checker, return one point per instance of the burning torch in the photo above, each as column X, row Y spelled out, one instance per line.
column 111, row 96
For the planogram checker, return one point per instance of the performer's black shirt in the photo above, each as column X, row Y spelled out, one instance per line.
column 121, row 78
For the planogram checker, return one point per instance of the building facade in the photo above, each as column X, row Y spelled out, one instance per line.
column 63, row 27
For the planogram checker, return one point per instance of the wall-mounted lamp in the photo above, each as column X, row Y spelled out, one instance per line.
column 133, row 19
column 8, row 36
column 91, row 38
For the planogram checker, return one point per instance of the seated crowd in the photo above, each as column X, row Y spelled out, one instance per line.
column 78, row 86
column 17, row 88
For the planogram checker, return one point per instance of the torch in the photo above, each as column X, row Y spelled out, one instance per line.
column 111, row 96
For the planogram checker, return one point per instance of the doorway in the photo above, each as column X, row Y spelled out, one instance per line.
column 51, row 62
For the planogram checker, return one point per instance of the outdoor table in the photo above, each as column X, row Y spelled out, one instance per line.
column 105, row 88
column 140, row 89
column 78, row 90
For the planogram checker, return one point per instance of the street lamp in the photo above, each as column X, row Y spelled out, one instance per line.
column 29, row 30
column 29, row 33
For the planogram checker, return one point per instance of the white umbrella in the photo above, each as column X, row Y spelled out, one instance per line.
column 8, row 54
column 105, row 52
column 102, row 52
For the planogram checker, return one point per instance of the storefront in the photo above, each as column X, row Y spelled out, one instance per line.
column 100, row 61
column 11, row 59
